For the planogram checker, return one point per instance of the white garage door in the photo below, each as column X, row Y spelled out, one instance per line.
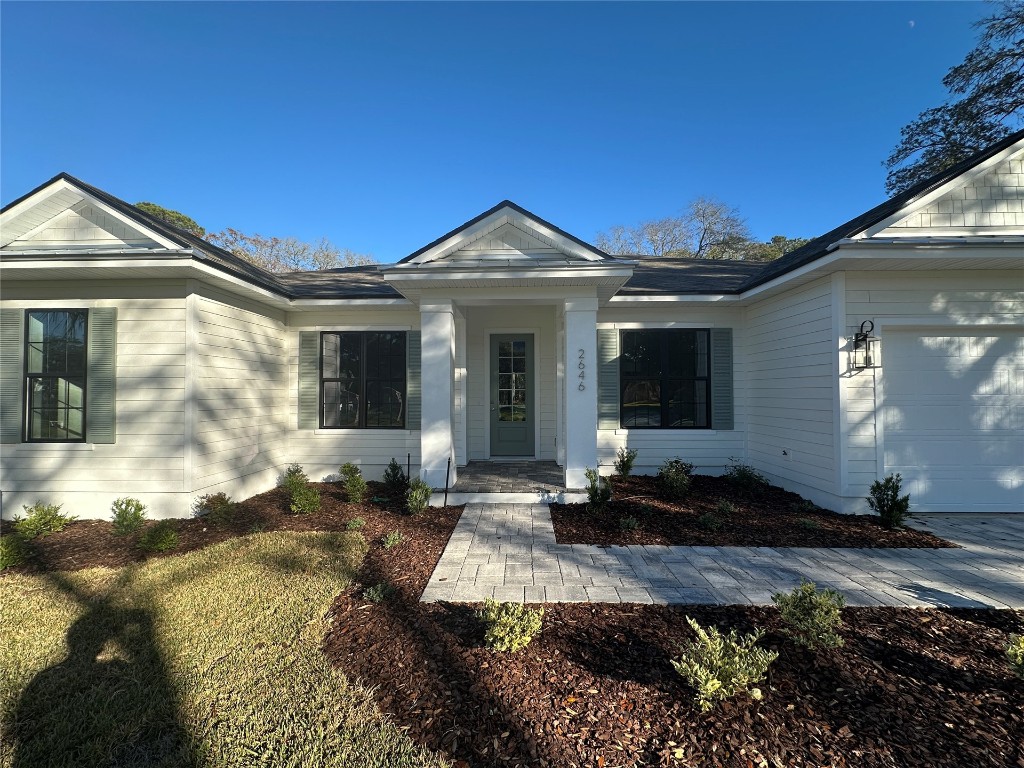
column 953, row 416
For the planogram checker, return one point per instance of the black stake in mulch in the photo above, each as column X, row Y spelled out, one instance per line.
column 408, row 467
column 447, row 474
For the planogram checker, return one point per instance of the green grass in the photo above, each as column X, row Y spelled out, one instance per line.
column 210, row 658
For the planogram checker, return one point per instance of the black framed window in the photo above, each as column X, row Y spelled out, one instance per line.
column 362, row 379
column 55, row 375
column 665, row 379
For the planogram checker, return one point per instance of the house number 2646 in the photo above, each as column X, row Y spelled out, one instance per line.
column 583, row 372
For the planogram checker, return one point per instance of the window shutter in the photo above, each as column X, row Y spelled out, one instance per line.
column 309, row 380
column 101, row 389
column 721, row 379
column 12, row 337
column 413, row 380
column 607, row 378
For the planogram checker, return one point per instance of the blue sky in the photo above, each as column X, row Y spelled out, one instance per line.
column 382, row 126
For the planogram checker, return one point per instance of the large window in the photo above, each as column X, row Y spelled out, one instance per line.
column 362, row 379
column 55, row 375
column 665, row 379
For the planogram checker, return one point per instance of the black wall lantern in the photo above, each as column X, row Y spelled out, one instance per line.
column 864, row 346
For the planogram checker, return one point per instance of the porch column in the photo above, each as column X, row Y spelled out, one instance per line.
column 437, row 329
column 580, row 393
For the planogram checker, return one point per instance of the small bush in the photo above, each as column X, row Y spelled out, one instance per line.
column 1015, row 653
column 128, row 515
column 392, row 540
column 355, row 485
column 378, row 593
column 161, row 537
column 803, row 507
column 395, row 480
column 628, row 523
column 509, row 626
column 808, row 524
column 355, row 524
column 294, row 477
column 674, row 478
column 305, row 500
column 41, row 519
column 709, row 521
column 885, row 499
column 417, row 497
column 624, row 459
column 719, row 666
column 747, row 481
column 599, row 490
column 813, row 617
column 13, row 550
column 725, row 508
column 214, row 508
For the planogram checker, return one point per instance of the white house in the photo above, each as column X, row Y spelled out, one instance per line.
column 140, row 360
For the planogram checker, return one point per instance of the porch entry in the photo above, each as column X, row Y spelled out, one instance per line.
column 513, row 411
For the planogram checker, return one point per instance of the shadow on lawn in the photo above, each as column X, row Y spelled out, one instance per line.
column 109, row 702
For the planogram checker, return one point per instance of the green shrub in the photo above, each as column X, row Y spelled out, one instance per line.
column 160, row 537
column 355, row 485
column 417, row 497
column 509, row 626
column 128, row 515
column 674, row 478
column 599, row 490
column 808, row 524
column 395, row 480
column 747, row 481
column 885, row 499
column 13, row 550
column 355, row 524
column 294, row 477
column 628, row 523
column 214, row 508
column 305, row 500
column 813, row 617
column 378, row 593
column 624, row 459
column 725, row 508
column 41, row 519
column 1015, row 653
column 709, row 521
column 803, row 507
column 719, row 666
column 392, row 540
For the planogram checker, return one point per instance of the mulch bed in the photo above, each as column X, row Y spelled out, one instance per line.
column 91, row 543
column 776, row 518
column 910, row 687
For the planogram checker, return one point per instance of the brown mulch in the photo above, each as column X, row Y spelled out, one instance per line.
column 91, row 543
column 910, row 687
column 776, row 518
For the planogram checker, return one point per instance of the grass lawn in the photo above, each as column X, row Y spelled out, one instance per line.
column 209, row 658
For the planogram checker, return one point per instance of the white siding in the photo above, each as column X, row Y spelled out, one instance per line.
column 239, row 375
column 895, row 300
column 789, row 358
column 709, row 450
column 322, row 451
column 82, row 226
column 147, row 461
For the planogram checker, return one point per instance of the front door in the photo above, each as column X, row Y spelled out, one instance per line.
column 513, row 405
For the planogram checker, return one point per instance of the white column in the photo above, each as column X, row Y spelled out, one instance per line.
column 437, row 328
column 580, row 401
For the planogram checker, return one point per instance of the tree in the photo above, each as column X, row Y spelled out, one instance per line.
column 174, row 218
column 704, row 229
column 775, row 248
column 287, row 254
column 990, row 86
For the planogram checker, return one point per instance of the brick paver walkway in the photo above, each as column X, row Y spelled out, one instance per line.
column 508, row 552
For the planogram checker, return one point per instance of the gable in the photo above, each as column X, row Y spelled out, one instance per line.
column 991, row 203
column 508, row 241
column 83, row 225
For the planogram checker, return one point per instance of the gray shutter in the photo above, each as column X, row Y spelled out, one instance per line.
column 721, row 379
column 12, row 339
column 101, row 389
column 412, row 381
column 309, row 380
column 607, row 378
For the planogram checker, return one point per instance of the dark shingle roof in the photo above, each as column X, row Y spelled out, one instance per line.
column 366, row 282
column 660, row 275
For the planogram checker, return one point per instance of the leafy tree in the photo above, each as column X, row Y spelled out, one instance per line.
column 775, row 248
column 705, row 229
column 174, row 218
column 989, row 104
column 287, row 254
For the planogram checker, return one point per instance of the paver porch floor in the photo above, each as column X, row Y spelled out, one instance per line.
column 508, row 552
column 509, row 477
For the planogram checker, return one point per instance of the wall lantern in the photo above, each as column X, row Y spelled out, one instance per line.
column 864, row 346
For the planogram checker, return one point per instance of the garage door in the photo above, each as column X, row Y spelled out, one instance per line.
column 953, row 416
